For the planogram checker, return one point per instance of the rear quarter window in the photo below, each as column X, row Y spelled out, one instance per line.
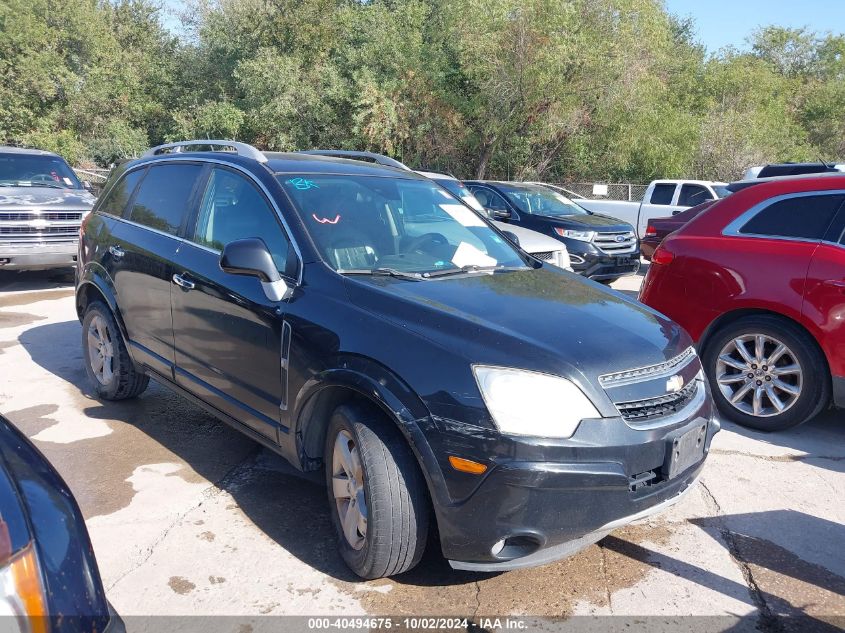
column 799, row 217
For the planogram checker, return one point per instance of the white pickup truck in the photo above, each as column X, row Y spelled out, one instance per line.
column 662, row 198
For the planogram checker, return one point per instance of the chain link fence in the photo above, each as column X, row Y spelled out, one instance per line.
column 615, row 191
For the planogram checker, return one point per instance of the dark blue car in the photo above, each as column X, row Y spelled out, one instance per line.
column 600, row 247
column 49, row 581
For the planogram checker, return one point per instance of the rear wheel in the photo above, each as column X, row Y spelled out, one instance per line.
column 766, row 373
column 110, row 370
column 376, row 492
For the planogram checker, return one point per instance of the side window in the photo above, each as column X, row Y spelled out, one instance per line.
column 803, row 217
column 489, row 199
column 118, row 196
column 692, row 195
column 164, row 196
column 232, row 209
column 663, row 193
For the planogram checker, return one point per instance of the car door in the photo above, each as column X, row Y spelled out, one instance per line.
column 230, row 339
column 824, row 295
column 141, row 249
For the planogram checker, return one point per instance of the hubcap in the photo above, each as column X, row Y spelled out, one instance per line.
column 100, row 350
column 759, row 375
column 348, row 490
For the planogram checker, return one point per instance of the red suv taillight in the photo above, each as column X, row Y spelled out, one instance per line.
column 662, row 256
column 650, row 231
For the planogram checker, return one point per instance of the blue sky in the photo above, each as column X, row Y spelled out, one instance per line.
column 729, row 22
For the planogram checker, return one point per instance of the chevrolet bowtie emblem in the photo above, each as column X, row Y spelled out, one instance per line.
column 675, row 384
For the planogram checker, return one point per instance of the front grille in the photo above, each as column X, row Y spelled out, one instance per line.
column 26, row 216
column 661, row 406
column 647, row 373
column 33, row 227
column 546, row 256
column 616, row 243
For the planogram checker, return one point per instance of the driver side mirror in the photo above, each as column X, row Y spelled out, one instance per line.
column 250, row 257
column 499, row 214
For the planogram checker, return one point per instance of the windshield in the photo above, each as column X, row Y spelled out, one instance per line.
column 394, row 225
column 539, row 200
column 25, row 170
column 459, row 189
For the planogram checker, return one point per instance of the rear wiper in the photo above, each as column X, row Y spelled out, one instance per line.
column 388, row 272
column 471, row 268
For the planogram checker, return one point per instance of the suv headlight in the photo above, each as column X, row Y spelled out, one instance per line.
column 583, row 236
column 529, row 403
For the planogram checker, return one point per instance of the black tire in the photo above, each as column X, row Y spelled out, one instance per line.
column 816, row 388
column 126, row 380
column 396, row 499
column 607, row 282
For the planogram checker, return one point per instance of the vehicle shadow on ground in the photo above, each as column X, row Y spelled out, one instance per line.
column 290, row 507
column 822, row 440
column 17, row 281
column 772, row 570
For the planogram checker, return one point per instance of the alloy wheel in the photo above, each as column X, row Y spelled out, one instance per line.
column 101, row 350
column 348, row 490
column 759, row 375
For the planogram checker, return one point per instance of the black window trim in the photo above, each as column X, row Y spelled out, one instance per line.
column 734, row 228
column 243, row 170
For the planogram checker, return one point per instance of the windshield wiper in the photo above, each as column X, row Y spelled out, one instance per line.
column 471, row 268
column 388, row 272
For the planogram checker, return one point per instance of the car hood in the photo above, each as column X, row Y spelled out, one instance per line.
column 591, row 222
column 531, row 241
column 543, row 320
column 15, row 198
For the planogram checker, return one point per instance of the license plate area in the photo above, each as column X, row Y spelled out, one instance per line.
column 684, row 450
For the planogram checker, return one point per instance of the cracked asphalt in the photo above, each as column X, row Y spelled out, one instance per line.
column 189, row 517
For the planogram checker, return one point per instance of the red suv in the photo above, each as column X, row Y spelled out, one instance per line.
column 759, row 283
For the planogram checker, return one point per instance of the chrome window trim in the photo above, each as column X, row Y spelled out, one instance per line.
column 733, row 228
column 170, row 158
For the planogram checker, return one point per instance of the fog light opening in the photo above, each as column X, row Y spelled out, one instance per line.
column 515, row 547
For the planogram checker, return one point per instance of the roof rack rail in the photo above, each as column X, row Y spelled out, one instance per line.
column 379, row 159
column 241, row 149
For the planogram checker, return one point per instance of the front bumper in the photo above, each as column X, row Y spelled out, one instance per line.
column 599, row 266
column 546, row 510
column 37, row 257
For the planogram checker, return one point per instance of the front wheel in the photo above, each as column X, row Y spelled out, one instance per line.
column 377, row 494
column 766, row 373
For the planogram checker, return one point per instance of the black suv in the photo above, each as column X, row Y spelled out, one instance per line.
column 600, row 247
column 359, row 319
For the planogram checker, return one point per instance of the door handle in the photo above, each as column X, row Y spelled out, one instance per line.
column 116, row 251
column 179, row 280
